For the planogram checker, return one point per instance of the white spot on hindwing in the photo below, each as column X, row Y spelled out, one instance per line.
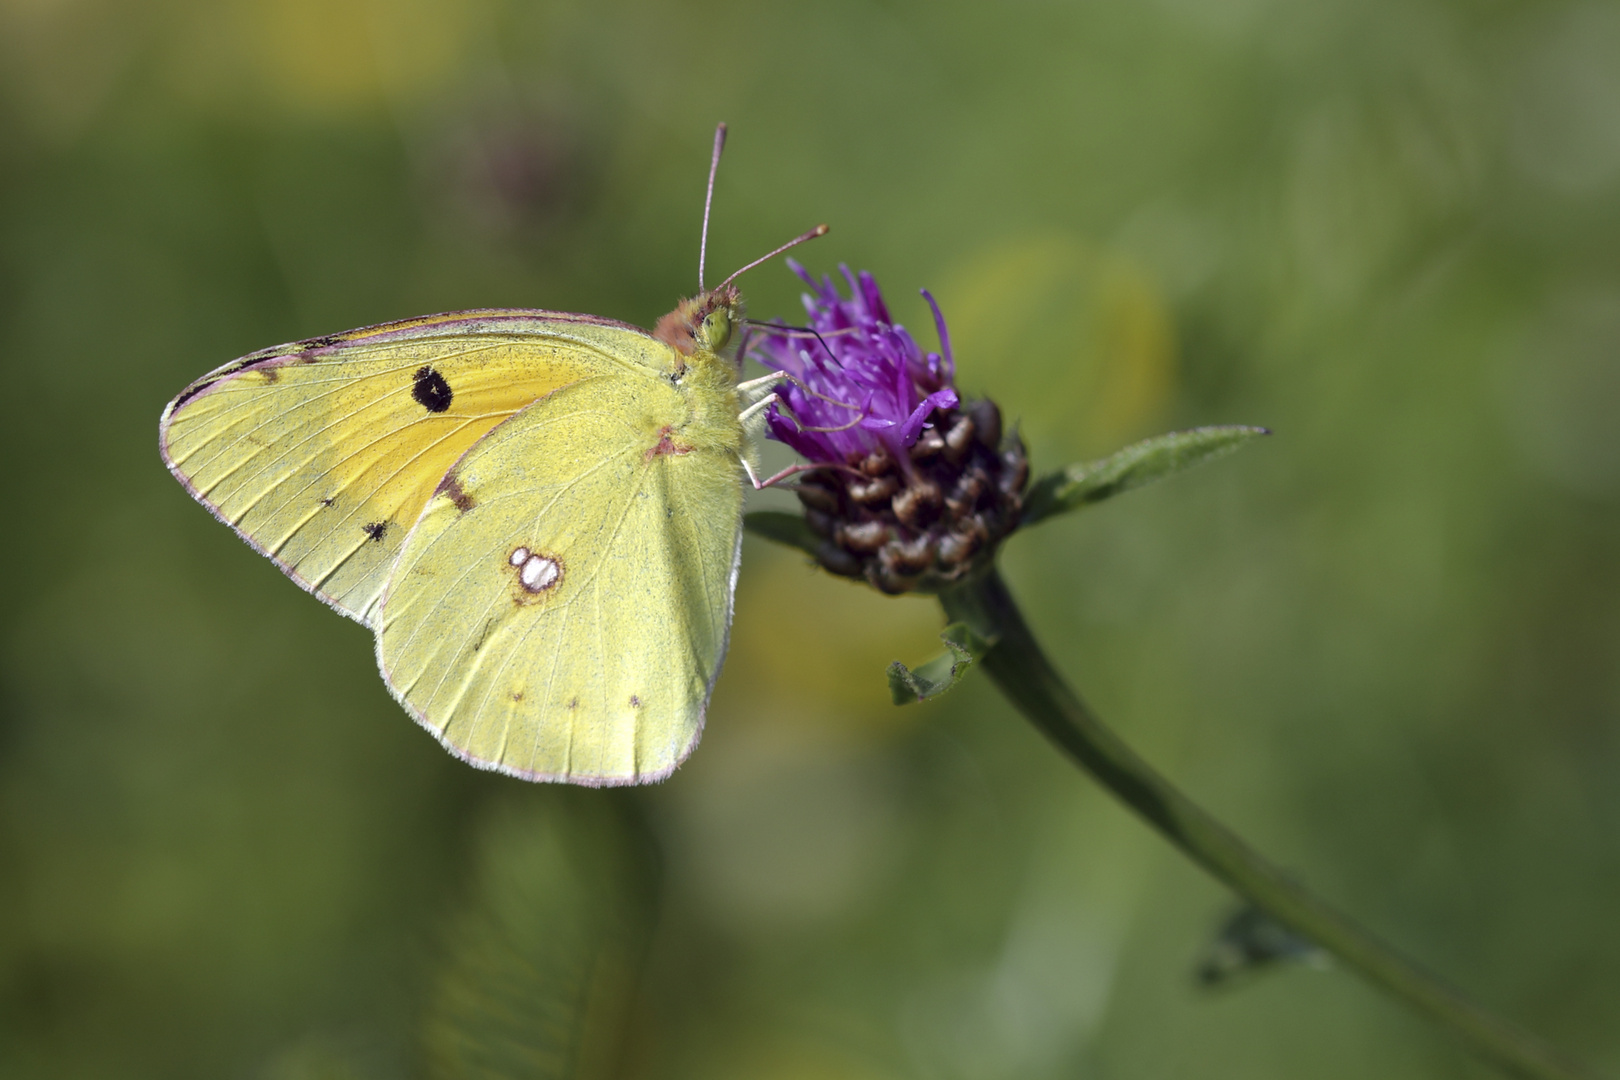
column 539, row 573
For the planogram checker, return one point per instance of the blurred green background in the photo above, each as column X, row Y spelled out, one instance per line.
column 1381, row 644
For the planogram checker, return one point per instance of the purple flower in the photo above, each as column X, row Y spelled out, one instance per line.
column 866, row 383
column 922, row 486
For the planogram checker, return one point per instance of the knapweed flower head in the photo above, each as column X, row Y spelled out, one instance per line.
column 866, row 383
column 917, row 487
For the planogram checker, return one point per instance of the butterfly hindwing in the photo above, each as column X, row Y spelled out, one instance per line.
column 560, row 609
column 322, row 454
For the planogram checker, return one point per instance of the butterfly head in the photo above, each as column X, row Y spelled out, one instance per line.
column 704, row 321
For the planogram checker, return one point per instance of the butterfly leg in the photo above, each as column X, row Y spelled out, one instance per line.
column 753, row 422
column 752, row 469
column 746, row 417
column 752, row 419
column 766, row 380
column 746, row 388
column 777, row 478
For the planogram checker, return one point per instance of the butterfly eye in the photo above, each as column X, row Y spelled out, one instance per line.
column 717, row 329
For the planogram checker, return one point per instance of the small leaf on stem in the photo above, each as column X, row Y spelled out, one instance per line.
column 1141, row 463
column 938, row 675
column 1251, row 941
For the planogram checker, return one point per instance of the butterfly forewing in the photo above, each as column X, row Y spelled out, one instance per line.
column 560, row 609
column 322, row 454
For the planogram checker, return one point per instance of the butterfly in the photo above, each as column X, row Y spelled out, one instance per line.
column 539, row 514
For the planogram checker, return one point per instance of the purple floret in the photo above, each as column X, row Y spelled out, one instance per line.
column 878, row 388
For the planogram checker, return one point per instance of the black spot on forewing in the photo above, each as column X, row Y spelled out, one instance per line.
column 328, row 502
column 375, row 530
column 635, row 702
column 430, row 390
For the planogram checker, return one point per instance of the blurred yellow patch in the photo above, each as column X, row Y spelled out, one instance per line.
column 821, row 646
column 1076, row 343
column 65, row 59
column 347, row 54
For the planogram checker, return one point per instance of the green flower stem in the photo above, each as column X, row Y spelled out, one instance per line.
column 1028, row 678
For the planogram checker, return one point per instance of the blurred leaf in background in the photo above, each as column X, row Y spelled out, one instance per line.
column 1382, row 645
column 543, row 960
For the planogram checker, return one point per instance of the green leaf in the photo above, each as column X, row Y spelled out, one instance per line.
column 783, row 528
column 1136, row 465
column 941, row 673
column 541, row 964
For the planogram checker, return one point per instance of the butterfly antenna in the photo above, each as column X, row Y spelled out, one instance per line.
column 819, row 230
column 708, row 199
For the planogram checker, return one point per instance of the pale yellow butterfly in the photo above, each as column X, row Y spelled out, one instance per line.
column 538, row 513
